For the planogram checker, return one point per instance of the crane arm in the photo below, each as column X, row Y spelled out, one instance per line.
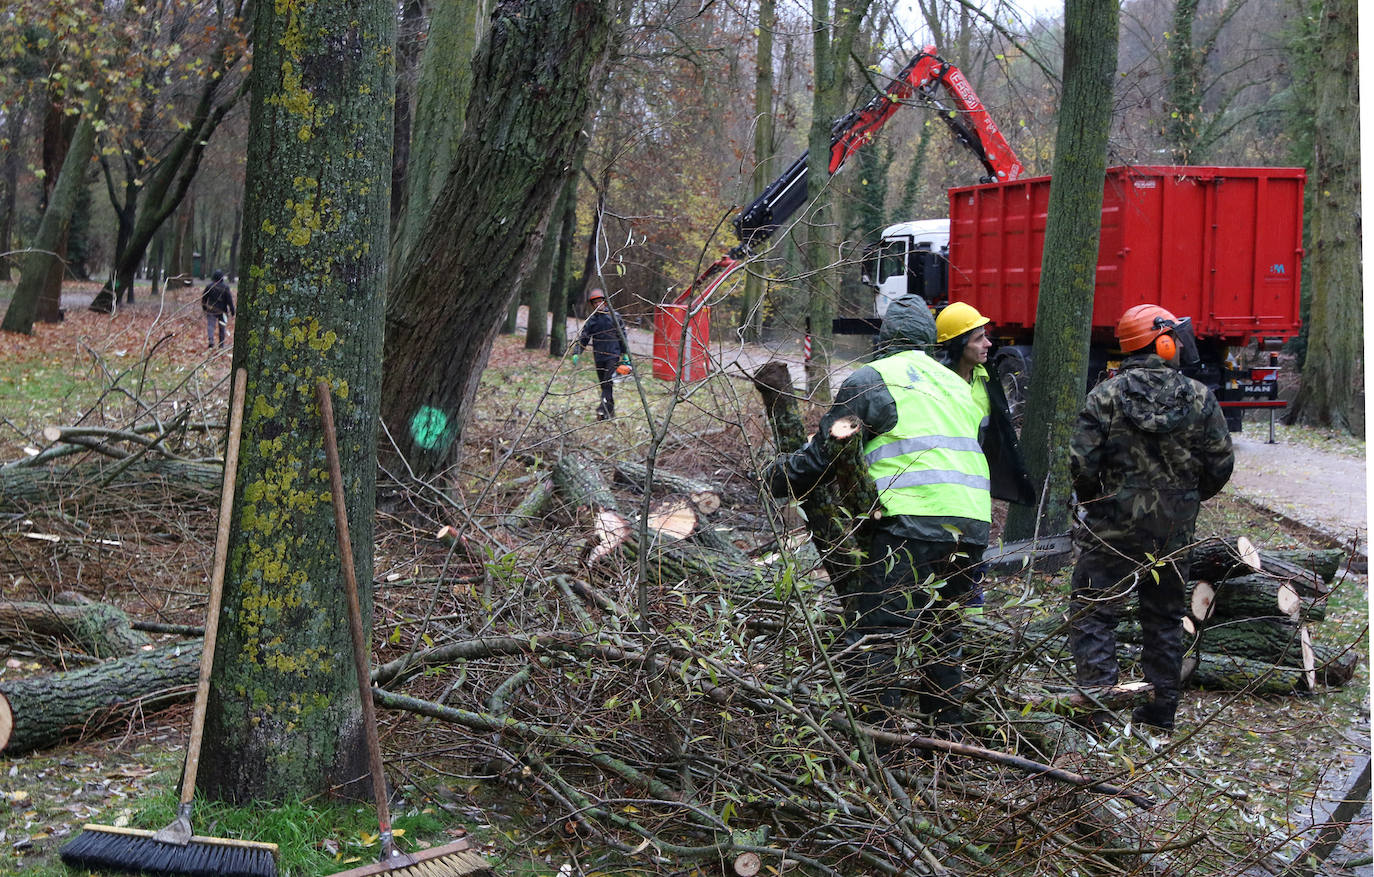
column 923, row 79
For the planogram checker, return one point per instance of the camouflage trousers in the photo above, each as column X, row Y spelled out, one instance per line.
column 912, row 598
column 1103, row 581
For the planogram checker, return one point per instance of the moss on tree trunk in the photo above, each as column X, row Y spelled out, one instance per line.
column 284, row 715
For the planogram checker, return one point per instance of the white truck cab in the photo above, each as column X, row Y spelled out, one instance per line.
column 910, row 257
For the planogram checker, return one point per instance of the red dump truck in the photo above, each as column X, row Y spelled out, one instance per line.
column 1222, row 245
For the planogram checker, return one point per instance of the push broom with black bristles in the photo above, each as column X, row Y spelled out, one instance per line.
column 175, row 850
column 456, row 859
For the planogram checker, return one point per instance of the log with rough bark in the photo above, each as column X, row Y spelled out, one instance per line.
column 1271, row 641
column 1252, row 596
column 672, row 559
column 704, row 495
column 100, row 629
column 1335, row 665
column 839, row 509
column 41, row 711
column 531, row 507
column 1311, row 572
column 1217, row 558
column 1223, row 673
column 23, row 486
column 1325, row 562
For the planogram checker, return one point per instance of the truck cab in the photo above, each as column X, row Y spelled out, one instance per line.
column 909, row 257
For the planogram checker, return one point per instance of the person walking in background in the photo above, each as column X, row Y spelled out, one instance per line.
column 217, row 302
column 962, row 335
column 1148, row 447
column 920, row 444
column 604, row 331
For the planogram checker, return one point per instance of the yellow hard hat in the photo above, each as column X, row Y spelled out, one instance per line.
column 957, row 318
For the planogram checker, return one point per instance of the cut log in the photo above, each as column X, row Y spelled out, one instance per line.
column 703, row 495
column 1307, row 579
column 1216, row 559
column 1254, row 596
column 101, row 630
column 1201, row 603
column 1325, row 562
column 838, row 510
column 1335, row 665
column 1270, row 641
column 44, row 710
column 1222, row 673
column 23, row 486
column 531, row 507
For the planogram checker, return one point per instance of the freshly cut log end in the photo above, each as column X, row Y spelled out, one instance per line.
column 52, row 433
column 706, row 501
column 1249, row 554
column 1203, row 601
column 609, row 530
column 1290, row 603
column 673, row 520
column 1309, row 659
column 846, row 427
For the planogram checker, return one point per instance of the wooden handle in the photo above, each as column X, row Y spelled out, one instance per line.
column 355, row 612
column 207, row 654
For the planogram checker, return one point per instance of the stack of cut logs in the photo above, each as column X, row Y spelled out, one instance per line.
column 1248, row 619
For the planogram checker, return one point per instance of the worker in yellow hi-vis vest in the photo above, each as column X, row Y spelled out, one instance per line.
column 921, row 446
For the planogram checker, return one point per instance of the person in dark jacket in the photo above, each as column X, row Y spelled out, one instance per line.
column 962, row 335
column 1148, row 447
column 920, row 434
column 604, row 331
column 217, row 302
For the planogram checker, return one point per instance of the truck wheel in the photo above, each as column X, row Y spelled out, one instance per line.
column 1014, row 369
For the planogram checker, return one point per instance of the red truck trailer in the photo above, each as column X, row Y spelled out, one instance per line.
column 1222, row 245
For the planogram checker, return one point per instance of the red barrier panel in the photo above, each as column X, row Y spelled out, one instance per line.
column 670, row 353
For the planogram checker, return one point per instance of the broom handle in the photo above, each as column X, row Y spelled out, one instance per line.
column 207, row 654
column 355, row 613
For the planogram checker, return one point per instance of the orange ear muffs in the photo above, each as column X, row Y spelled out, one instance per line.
column 1166, row 346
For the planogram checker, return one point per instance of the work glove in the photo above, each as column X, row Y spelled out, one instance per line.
column 575, row 356
column 624, row 359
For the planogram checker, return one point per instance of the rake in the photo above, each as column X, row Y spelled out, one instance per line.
column 456, row 859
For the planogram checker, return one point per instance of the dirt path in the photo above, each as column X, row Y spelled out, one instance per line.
column 1318, row 489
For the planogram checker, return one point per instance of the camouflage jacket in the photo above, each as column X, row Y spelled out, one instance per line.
column 1148, row 447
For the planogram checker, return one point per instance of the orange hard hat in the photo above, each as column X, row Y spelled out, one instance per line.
column 1142, row 324
column 595, row 294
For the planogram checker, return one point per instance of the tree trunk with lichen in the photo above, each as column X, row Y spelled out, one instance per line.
column 1069, row 264
column 536, row 75
column 284, row 719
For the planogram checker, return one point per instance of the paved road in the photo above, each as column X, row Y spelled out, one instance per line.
column 1325, row 491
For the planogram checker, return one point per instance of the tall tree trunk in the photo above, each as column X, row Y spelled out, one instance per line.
column 407, row 52
column 19, row 316
column 833, row 39
column 1335, row 364
column 537, row 286
column 1068, row 271
column 537, row 72
column 765, row 160
column 58, row 132
column 566, row 214
column 155, row 265
column 441, row 102
column 1184, row 84
column 284, row 717
column 9, row 178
